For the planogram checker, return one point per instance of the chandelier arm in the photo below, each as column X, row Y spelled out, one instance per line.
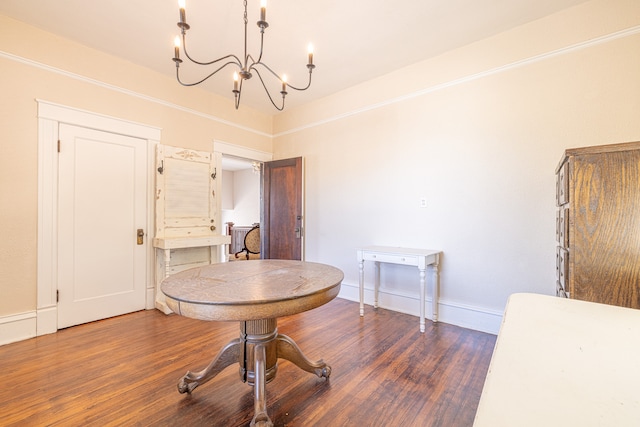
column 253, row 62
column 267, row 90
column 253, row 66
column 186, row 53
column 261, row 45
column 238, row 62
column 200, row 81
column 301, row 88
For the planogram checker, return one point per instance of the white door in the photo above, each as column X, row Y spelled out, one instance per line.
column 102, row 183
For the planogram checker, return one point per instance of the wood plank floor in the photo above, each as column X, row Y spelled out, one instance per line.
column 124, row 372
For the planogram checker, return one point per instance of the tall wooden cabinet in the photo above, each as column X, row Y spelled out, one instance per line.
column 598, row 224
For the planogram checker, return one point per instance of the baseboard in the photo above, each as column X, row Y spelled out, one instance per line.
column 17, row 327
column 150, row 301
column 47, row 320
column 466, row 316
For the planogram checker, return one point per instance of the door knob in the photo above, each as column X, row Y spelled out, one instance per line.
column 140, row 235
column 297, row 230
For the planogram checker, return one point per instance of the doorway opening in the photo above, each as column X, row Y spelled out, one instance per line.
column 241, row 203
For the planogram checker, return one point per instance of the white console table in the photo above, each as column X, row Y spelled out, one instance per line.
column 176, row 254
column 420, row 258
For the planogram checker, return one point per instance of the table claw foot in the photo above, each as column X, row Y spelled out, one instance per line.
column 288, row 349
column 184, row 386
column 227, row 356
column 326, row 371
column 261, row 420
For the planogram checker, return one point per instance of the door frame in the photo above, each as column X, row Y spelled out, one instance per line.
column 50, row 115
column 225, row 148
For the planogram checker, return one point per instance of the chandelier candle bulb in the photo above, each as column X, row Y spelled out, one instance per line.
column 310, row 50
column 263, row 10
column 181, row 5
column 284, row 84
column 235, row 82
column 176, row 43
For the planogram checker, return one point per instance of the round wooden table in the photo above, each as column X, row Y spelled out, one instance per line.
column 255, row 293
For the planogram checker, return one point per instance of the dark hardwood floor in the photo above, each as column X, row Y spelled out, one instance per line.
column 124, row 372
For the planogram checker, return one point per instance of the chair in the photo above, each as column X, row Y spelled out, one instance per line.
column 251, row 244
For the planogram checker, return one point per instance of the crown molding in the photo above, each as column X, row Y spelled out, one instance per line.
column 127, row 92
column 493, row 71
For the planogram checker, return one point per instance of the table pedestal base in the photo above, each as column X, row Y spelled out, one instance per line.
column 257, row 352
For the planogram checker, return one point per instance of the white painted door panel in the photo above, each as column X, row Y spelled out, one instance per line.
column 102, row 203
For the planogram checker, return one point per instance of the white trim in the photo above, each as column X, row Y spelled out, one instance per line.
column 476, row 318
column 569, row 49
column 46, row 320
column 150, row 299
column 152, row 145
column 47, row 214
column 303, row 213
column 87, row 119
column 124, row 91
column 228, row 149
column 50, row 115
column 17, row 327
column 507, row 67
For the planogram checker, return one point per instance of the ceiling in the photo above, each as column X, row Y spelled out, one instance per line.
column 354, row 41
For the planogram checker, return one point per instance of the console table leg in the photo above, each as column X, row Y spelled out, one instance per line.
column 227, row 356
column 436, row 289
column 260, row 417
column 289, row 350
column 376, row 284
column 361, row 272
column 423, row 285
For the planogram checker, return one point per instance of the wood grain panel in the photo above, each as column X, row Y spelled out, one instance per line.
column 606, row 228
column 282, row 209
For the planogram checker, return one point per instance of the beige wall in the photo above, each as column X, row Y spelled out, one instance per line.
column 38, row 65
column 245, row 190
column 478, row 133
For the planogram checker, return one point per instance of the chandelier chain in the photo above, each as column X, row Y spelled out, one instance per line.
column 246, row 20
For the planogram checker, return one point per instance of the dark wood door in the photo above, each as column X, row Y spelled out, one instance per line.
column 281, row 218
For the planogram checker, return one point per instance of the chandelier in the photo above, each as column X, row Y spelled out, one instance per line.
column 245, row 66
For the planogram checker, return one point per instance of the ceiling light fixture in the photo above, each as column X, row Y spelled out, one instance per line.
column 246, row 66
